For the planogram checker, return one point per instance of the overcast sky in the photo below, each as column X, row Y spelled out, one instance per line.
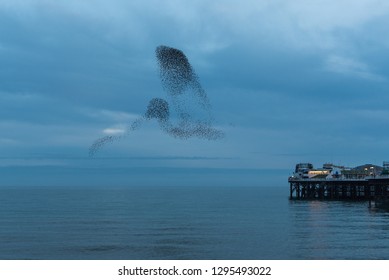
column 288, row 81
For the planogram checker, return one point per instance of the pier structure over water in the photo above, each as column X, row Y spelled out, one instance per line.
column 330, row 189
column 367, row 182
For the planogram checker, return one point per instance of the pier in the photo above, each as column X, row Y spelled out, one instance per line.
column 365, row 183
column 330, row 189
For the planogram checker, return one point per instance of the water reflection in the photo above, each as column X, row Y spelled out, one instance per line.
column 339, row 230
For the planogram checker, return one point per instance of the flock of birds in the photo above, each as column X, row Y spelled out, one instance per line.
column 188, row 100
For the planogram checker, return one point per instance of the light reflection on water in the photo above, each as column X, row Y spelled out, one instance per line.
column 340, row 230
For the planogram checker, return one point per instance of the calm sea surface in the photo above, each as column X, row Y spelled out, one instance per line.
column 185, row 223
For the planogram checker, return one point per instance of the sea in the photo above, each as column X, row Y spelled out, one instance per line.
column 189, row 223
